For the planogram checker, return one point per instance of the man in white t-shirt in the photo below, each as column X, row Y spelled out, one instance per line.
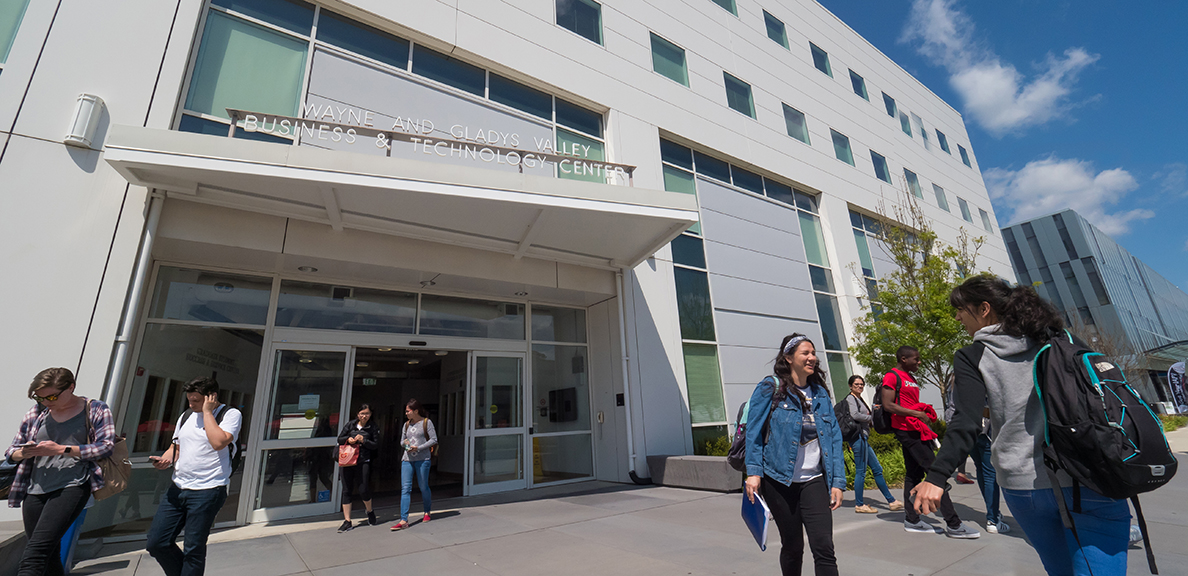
column 201, row 459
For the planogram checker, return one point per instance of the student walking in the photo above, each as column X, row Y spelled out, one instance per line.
column 417, row 438
column 798, row 466
column 361, row 433
column 201, row 453
column 59, row 452
column 1008, row 326
column 864, row 455
column 901, row 397
column 987, row 477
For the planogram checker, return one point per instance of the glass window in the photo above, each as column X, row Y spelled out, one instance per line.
column 728, row 5
column 821, row 278
column 328, row 307
column 1074, row 286
column 1052, row 290
column 841, row 147
column 668, row 60
column 940, row 197
column 944, row 142
column 676, row 180
column 747, row 180
column 813, row 238
column 889, row 102
column 498, row 458
column 795, row 124
column 964, row 155
column 449, row 70
column 305, row 476
column 245, row 66
column 292, row 15
column 499, row 389
column 923, row 133
column 880, row 167
column 864, row 253
column 964, row 210
column 839, row 373
column 557, row 458
column 820, row 59
column 676, row 154
column 520, row 97
column 304, row 382
column 688, row 251
column 775, row 29
column 1099, row 290
column 362, row 39
column 561, row 384
column 693, row 304
column 738, row 95
column 552, row 324
column 905, row 124
column 712, row 167
column 913, row 183
column 778, row 191
column 859, row 85
column 578, row 118
column 703, row 435
column 986, row 220
column 1029, row 233
column 205, row 296
column 703, row 380
column 449, row 316
column 1065, row 238
column 11, row 14
column 806, row 202
column 831, row 327
column 582, row 17
column 577, row 170
column 198, row 125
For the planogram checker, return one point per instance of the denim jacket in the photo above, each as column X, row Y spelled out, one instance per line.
column 775, row 454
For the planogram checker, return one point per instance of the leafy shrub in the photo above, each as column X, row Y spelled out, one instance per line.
column 884, row 443
column 718, row 447
column 1173, row 421
column 939, row 426
column 890, row 455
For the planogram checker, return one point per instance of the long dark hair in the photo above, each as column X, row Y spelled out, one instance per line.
column 783, row 371
column 416, row 406
column 1021, row 312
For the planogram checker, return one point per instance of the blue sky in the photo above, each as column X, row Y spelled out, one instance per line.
column 1068, row 105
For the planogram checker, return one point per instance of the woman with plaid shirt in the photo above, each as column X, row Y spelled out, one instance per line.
column 59, row 457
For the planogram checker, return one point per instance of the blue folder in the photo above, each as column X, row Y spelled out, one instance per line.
column 755, row 516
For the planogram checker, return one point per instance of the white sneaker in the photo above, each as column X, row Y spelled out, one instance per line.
column 1000, row 528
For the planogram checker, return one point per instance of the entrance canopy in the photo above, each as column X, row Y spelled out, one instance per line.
column 1174, row 352
column 583, row 223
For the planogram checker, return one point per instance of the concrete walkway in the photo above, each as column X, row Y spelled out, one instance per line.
column 601, row 528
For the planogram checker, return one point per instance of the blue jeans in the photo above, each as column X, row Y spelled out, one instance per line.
column 864, row 456
column 987, row 479
column 1103, row 527
column 421, row 468
column 193, row 510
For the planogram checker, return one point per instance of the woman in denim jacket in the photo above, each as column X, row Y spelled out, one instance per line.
column 795, row 462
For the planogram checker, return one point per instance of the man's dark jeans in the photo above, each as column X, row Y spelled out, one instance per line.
column 917, row 459
column 193, row 510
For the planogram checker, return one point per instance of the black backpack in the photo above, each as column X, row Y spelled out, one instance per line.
column 218, row 420
column 850, row 429
column 1098, row 429
column 880, row 417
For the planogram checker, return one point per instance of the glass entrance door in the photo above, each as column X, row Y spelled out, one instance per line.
column 495, row 424
column 294, row 473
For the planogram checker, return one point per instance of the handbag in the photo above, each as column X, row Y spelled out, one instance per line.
column 348, row 455
column 117, row 468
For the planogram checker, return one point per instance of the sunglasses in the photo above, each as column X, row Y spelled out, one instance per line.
column 44, row 399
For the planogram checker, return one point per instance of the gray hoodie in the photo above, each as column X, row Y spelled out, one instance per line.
column 997, row 370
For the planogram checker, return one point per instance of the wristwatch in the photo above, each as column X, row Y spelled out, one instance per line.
column 68, row 449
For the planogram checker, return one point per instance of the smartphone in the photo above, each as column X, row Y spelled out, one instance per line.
column 154, row 458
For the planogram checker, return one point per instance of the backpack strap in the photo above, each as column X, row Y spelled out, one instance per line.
column 1138, row 510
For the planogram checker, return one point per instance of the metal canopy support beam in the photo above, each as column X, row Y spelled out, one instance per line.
column 330, row 198
column 531, row 233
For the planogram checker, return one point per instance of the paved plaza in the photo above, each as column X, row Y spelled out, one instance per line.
column 601, row 528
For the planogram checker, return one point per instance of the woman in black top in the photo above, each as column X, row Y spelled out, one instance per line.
column 360, row 432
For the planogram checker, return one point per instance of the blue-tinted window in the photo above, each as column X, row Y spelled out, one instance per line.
column 693, row 304
column 940, row 197
column 880, row 167
column 747, row 180
column 841, row 147
column 944, row 142
column 449, row 70
column 676, row 154
column 728, row 5
column 905, row 124
column 778, row 191
column 291, row 15
column 738, row 95
column 889, row 103
column 831, row 327
column 820, row 59
column 775, row 29
column 821, row 279
column 795, row 123
column 712, row 167
column 582, row 17
column 668, row 60
column 362, row 39
column 202, row 126
column 520, row 97
column 688, row 251
column 964, row 156
column 578, row 118
column 859, row 85
column 806, row 202
column 913, row 183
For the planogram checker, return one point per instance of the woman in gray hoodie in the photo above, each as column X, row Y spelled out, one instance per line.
column 1008, row 326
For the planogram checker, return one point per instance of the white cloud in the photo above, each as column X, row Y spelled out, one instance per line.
column 1052, row 184
column 996, row 95
column 1173, row 179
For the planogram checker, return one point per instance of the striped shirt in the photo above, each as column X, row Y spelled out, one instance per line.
column 102, row 438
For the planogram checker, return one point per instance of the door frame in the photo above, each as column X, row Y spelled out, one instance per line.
column 468, row 486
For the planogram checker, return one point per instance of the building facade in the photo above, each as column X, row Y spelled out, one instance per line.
column 1101, row 286
column 576, row 231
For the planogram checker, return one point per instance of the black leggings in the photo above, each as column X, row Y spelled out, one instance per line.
column 359, row 474
column 47, row 517
column 802, row 505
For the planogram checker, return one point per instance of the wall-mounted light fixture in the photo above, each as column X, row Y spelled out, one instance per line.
column 87, row 111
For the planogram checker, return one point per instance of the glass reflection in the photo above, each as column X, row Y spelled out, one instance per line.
column 296, row 476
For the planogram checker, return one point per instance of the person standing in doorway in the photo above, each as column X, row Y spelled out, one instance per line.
column 361, row 433
column 201, row 459
column 418, row 437
column 910, row 419
column 864, row 455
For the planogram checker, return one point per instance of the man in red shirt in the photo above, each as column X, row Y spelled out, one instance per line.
column 910, row 419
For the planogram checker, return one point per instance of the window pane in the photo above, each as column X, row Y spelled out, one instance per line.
column 1095, row 280
column 727, row 4
column 676, row 154
column 889, row 102
column 795, row 124
column 578, row 118
column 778, row 191
column 362, row 39
column 864, row 253
column 905, row 124
column 944, row 142
column 872, row 289
column 712, row 167
column 201, row 295
column 449, row 70
column 923, row 133
column 327, row 307
column 245, row 66
column 497, row 458
column 880, row 167
column 557, row 458
column 1065, row 238
column 841, row 147
column 806, row 202
column 561, row 384
column 693, row 304
column 688, row 251
column 855, row 219
column 986, row 222
column 203, row 126
column 821, row 278
column 820, row 59
column 291, row 15
column 775, row 29
column 831, row 328
column 738, row 95
column 964, row 210
column 940, row 197
column 583, row 17
column 1074, row 286
column 558, row 324
column 305, row 476
column 668, row 60
column 703, row 435
column 747, row 180
column 814, row 239
column 964, row 156
column 306, row 391
column 11, row 14
column 578, row 170
column 839, row 373
column 677, row 180
column 703, row 380
column 859, row 85
column 913, row 183
column 520, row 97
column 448, row 316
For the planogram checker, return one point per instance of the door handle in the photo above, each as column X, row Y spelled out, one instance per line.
column 601, row 417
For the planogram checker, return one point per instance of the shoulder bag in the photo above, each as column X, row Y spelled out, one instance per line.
column 117, row 468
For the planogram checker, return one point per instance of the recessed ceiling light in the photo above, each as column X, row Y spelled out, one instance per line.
column 306, row 269
column 442, row 352
column 521, row 293
column 427, row 283
column 414, row 361
column 384, row 349
column 360, row 364
column 305, row 360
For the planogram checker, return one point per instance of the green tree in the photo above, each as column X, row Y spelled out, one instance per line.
column 910, row 304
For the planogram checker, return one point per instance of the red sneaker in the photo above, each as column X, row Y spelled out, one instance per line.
column 425, row 518
column 401, row 525
column 963, row 479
